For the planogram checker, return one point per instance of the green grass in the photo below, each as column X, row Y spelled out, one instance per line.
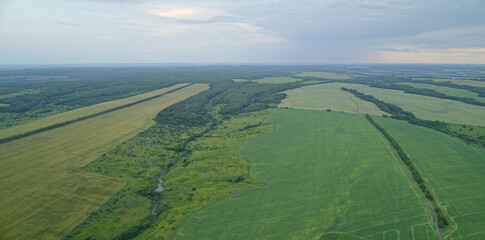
column 477, row 132
column 79, row 113
column 323, row 173
column 428, row 108
column 212, row 170
column 20, row 93
column 447, row 90
column 44, row 192
column 328, row 96
column 270, row 80
column 456, row 81
column 325, row 75
column 454, row 171
column 193, row 182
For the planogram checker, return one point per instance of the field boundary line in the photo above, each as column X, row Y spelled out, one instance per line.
column 412, row 177
column 402, row 168
column 57, row 125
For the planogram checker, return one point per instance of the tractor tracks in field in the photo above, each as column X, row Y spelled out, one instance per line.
column 352, row 99
column 412, row 177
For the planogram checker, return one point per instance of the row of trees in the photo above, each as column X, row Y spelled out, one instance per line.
column 398, row 113
column 442, row 221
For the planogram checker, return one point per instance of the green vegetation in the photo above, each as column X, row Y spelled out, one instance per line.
column 193, row 144
column 429, row 92
column 442, row 222
column 333, row 237
column 460, row 93
column 325, row 75
column 106, row 165
column 42, row 92
column 44, row 193
column 428, row 108
column 470, row 134
column 327, row 96
column 80, row 114
column 456, row 81
column 323, row 173
column 270, row 80
column 20, row 93
column 454, row 173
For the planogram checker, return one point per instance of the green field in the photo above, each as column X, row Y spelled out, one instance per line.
column 447, row 90
column 456, row 81
column 270, row 80
column 328, row 96
column 79, row 113
column 454, row 171
column 325, row 75
column 44, row 192
column 323, row 173
column 3, row 105
column 429, row 108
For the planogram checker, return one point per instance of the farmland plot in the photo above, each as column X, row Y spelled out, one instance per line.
column 324, row 172
column 81, row 112
column 44, row 193
column 454, row 170
column 328, row 96
column 429, row 108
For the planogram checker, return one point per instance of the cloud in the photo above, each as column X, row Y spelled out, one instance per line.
column 454, row 55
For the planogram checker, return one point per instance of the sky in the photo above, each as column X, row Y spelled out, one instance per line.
column 249, row 31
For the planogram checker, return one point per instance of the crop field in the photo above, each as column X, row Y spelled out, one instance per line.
column 447, row 90
column 325, row 75
column 454, row 170
column 456, row 81
column 81, row 112
column 328, row 96
column 429, row 108
column 44, row 193
column 323, row 173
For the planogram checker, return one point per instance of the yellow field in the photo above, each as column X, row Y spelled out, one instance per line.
column 326, row 75
column 3, row 105
column 456, row 81
column 44, row 194
column 81, row 112
column 328, row 96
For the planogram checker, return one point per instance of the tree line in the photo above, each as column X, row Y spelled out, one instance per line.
column 442, row 221
column 398, row 113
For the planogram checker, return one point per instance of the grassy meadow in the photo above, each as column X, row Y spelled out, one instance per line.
column 324, row 173
column 429, row 108
column 325, row 75
column 79, row 113
column 45, row 194
column 453, row 170
column 328, row 96
column 447, row 90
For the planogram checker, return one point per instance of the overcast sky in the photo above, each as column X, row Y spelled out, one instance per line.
column 248, row 31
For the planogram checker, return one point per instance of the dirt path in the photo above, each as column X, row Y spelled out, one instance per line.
column 414, row 180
